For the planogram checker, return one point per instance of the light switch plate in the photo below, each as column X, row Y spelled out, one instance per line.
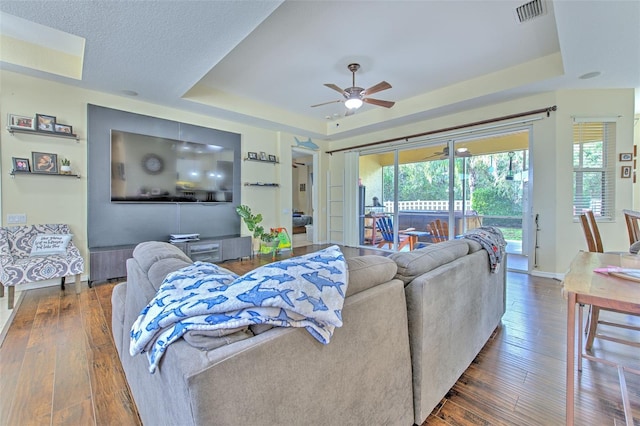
column 17, row 218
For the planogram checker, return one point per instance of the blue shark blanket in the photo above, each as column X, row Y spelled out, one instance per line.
column 491, row 239
column 306, row 291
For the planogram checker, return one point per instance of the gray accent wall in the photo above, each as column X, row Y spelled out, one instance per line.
column 115, row 224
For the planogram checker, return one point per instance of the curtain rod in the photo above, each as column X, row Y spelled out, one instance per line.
column 448, row 129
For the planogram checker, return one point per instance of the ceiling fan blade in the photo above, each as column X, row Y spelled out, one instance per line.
column 386, row 104
column 336, row 88
column 383, row 85
column 326, row 103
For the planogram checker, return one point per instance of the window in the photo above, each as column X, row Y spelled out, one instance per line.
column 594, row 167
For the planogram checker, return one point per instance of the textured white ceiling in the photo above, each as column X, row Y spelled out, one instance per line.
column 265, row 62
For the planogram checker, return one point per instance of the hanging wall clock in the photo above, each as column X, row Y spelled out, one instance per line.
column 152, row 164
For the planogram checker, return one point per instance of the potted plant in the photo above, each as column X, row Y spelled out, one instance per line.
column 252, row 221
column 65, row 167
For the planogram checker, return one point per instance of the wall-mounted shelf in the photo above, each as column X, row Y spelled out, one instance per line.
column 274, row 185
column 257, row 160
column 40, row 133
column 14, row 173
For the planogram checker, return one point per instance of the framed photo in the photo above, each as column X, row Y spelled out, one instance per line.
column 44, row 162
column 21, row 122
column 63, row 128
column 252, row 155
column 21, row 164
column 263, row 156
column 626, row 156
column 625, row 172
column 45, row 123
column 303, row 187
column 272, row 158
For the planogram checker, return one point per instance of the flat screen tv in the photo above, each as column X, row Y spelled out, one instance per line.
column 155, row 169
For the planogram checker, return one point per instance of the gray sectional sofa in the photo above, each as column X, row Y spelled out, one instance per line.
column 413, row 322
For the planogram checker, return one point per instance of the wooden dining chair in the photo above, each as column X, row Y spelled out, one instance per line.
column 591, row 231
column 594, row 243
column 632, row 218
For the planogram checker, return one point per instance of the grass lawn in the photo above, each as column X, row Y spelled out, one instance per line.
column 511, row 234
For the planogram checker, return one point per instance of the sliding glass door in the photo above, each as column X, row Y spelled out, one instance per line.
column 443, row 189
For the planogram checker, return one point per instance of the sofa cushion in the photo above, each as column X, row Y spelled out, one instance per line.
column 208, row 340
column 150, row 252
column 474, row 246
column 158, row 271
column 369, row 271
column 414, row 263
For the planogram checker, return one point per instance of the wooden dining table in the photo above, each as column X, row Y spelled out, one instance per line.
column 582, row 286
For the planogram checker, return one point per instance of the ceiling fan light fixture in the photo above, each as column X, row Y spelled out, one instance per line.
column 354, row 102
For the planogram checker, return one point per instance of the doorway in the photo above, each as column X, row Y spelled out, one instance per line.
column 303, row 200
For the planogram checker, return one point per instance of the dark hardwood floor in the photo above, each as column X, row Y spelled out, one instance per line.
column 58, row 363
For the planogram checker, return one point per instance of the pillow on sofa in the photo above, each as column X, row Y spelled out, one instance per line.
column 50, row 244
column 369, row 271
column 414, row 263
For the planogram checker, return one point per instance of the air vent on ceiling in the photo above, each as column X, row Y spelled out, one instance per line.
column 530, row 10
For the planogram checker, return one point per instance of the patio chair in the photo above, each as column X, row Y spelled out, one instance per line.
column 439, row 230
column 594, row 244
column 35, row 253
column 385, row 225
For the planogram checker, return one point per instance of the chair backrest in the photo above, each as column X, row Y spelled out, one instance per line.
column 20, row 238
column 633, row 227
column 385, row 225
column 439, row 230
column 591, row 232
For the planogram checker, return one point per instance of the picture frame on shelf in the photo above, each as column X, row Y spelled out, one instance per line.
column 625, row 172
column 263, row 156
column 21, row 122
column 626, row 156
column 44, row 162
column 45, row 123
column 272, row 158
column 21, row 164
column 65, row 129
column 252, row 155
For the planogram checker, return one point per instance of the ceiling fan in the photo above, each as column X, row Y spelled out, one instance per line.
column 444, row 154
column 355, row 96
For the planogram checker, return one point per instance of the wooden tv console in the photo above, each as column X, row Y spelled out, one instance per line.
column 108, row 263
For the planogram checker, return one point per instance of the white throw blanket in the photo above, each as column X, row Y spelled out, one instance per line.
column 306, row 291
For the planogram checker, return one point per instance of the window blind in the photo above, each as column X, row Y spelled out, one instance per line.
column 594, row 177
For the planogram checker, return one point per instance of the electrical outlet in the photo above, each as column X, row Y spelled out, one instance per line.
column 17, row 218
